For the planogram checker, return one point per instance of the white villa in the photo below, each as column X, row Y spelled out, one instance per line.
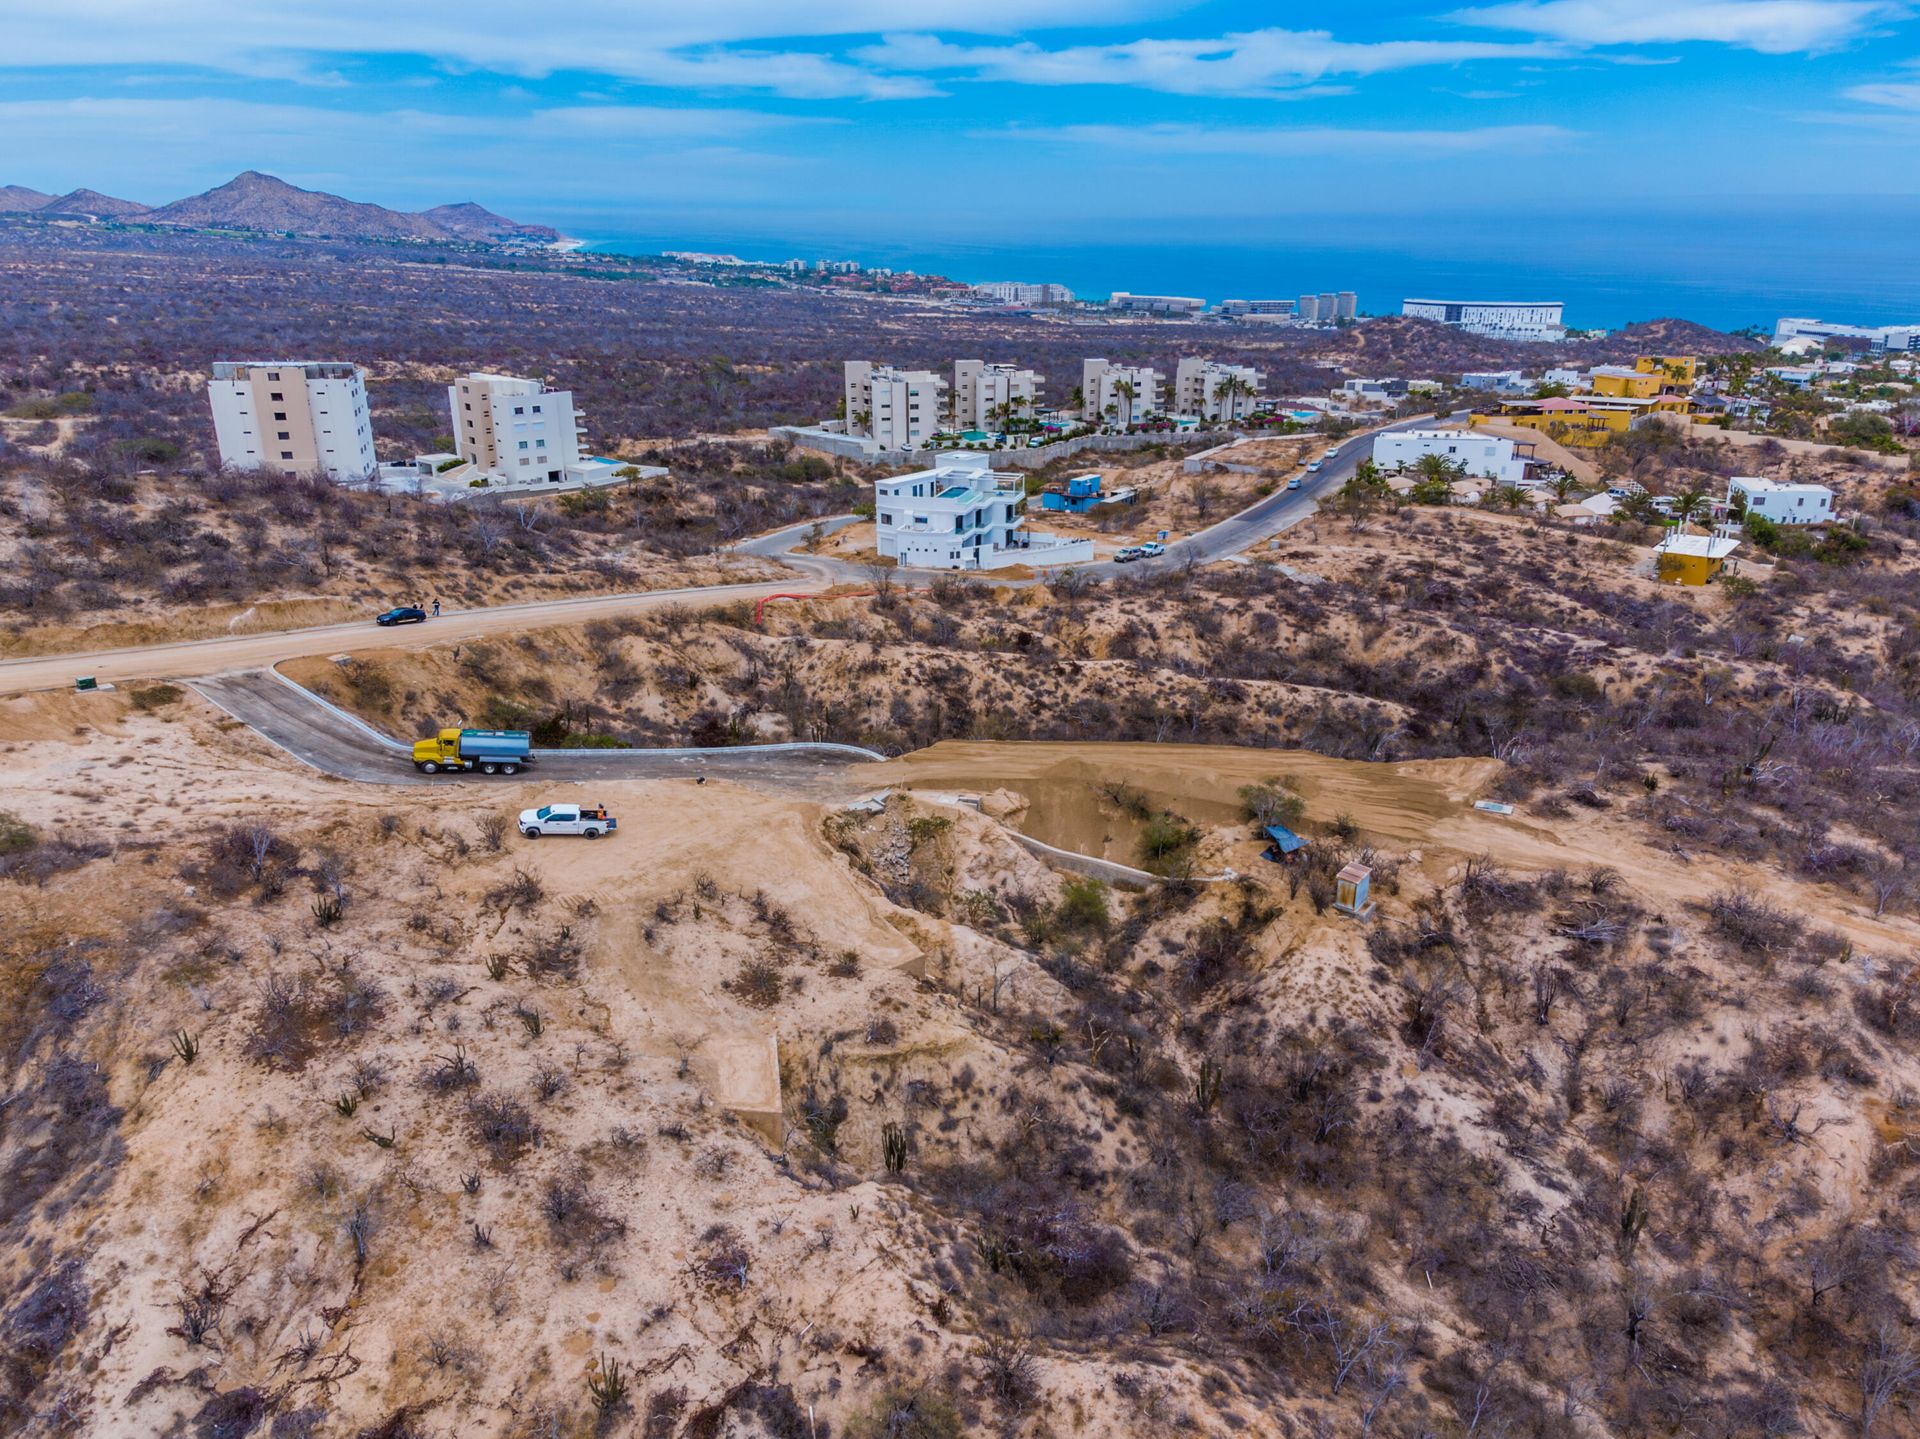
column 961, row 515
column 1488, row 456
column 1784, row 504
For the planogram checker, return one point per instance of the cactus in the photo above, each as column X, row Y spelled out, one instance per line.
column 186, row 1046
column 893, row 1144
column 606, row 1384
column 1207, row 1085
column 1633, row 1220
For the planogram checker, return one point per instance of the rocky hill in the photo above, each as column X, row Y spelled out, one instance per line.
column 17, row 198
column 84, row 204
column 253, row 201
column 475, row 222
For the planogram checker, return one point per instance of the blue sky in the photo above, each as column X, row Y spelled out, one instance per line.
column 1089, row 120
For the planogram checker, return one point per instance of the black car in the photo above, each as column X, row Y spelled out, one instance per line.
column 405, row 615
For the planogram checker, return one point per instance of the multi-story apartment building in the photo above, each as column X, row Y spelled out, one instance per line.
column 1258, row 309
column 1155, row 304
column 1215, row 391
column 1328, row 307
column 1496, row 319
column 1019, row 292
column 513, row 428
column 986, row 396
column 295, row 416
column 1124, row 394
column 896, row 409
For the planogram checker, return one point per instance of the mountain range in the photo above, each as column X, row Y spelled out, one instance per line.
column 256, row 201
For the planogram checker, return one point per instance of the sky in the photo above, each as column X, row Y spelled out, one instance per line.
column 1063, row 121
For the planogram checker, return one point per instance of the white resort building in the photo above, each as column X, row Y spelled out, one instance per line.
column 514, row 429
column 1215, row 391
column 961, row 515
column 1487, row 456
column 1123, row 394
column 295, row 416
column 986, row 396
column 895, row 409
column 1784, row 504
column 1496, row 319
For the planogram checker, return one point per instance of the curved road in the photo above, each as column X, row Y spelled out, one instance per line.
column 1260, row 521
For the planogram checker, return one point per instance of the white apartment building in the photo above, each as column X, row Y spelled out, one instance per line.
column 1883, row 338
column 896, row 409
column 1328, row 307
column 986, row 396
column 294, row 416
column 1200, row 388
column 1019, row 292
column 1125, row 394
column 514, row 429
column 1264, row 309
column 1529, row 320
column 1487, row 456
column 1504, row 382
column 1155, row 304
column 1784, row 504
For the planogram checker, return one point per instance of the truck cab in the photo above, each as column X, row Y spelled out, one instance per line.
column 591, row 821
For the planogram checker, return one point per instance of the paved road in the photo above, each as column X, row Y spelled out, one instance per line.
column 337, row 743
column 1240, row 532
column 189, row 658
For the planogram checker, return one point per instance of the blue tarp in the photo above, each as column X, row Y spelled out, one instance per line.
column 1285, row 841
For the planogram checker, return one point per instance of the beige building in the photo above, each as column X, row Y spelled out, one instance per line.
column 1215, row 391
column 895, row 409
column 986, row 396
column 513, row 428
column 1122, row 394
column 299, row 417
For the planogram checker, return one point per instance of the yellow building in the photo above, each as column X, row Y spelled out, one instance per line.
column 1615, row 382
column 1571, row 422
column 1677, row 371
column 1691, row 559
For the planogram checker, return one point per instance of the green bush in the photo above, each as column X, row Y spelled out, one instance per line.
column 73, row 402
column 154, row 697
column 1083, row 904
column 16, row 835
column 1166, row 839
column 905, row 1413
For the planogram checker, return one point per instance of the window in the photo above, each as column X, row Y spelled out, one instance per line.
column 536, row 409
column 286, row 454
column 519, row 409
column 282, row 435
column 282, row 414
column 523, row 444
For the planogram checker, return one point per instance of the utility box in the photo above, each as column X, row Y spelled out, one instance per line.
column 1353, row 891
column 86, row 682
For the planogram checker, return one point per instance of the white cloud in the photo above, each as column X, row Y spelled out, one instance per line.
column 1774, row 27
column 665, row 42
column 1893, row 94
column 1299, row 141
column 1253, row 63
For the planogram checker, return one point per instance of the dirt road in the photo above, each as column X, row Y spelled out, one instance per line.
column 192, row 658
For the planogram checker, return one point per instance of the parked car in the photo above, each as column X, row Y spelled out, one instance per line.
column 404, row 615
column 1152, row 548
column 589, row 820
column 1131, row 552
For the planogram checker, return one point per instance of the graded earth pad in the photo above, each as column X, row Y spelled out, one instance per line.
column 1397, row 803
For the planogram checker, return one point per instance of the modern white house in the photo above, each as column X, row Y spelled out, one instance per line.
column 1784, row 504
column 513, row 429
column 295, row 416
column 1497, row 319
column 1215, row 391
column 1500, row 382
column 986, row 396
column 895, row 409
column 1488, row 456
column 961, row 515
column 1124, row 394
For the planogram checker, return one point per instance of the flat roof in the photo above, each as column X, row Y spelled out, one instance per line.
column 1706, row 547
column 1496, row 304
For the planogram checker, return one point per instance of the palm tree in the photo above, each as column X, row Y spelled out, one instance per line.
column 1688, row 503
column 1126, row 391
column 1563, row 485
column 1227, row 392
column 1514, row 497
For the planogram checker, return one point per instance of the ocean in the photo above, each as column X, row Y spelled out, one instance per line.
column 1730, row 267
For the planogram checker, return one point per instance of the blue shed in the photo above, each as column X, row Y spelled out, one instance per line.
column 1075, row 496
column 1285, row 842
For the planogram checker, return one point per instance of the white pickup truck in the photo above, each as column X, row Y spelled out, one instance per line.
column 589, row 820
